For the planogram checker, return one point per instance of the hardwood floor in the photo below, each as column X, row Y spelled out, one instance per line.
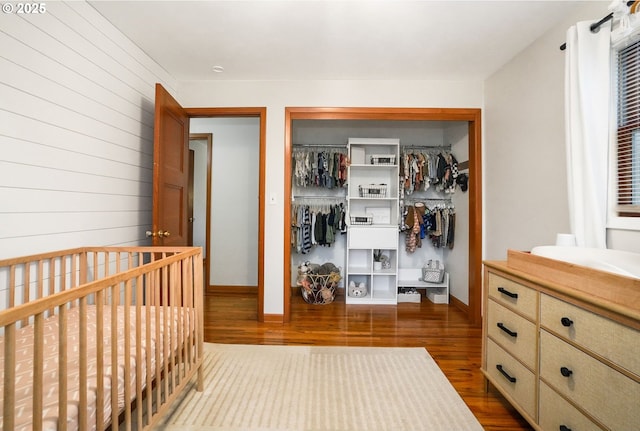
column 441, row 329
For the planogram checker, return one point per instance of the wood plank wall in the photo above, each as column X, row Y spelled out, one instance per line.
column 76, row 132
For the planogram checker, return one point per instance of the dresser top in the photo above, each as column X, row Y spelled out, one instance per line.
column 611, row 294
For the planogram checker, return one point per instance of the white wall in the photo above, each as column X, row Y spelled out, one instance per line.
column 76, row 132
column 525, row 182
column 234, row 199
column 457, row 258
column 276, row 95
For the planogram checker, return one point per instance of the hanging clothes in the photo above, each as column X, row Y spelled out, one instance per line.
column 436, row 223
column 318, row 167
column 316, row 225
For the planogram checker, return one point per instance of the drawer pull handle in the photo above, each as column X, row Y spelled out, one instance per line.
column 566, row 372
column 507, row 330
column 504, row 373
column 566, row 322
column 564, row 428
column 506, row 292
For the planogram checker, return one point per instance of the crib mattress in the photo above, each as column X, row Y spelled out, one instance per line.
column 24, row 362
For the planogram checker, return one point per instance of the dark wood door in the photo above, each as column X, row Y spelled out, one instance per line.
column 170, row 171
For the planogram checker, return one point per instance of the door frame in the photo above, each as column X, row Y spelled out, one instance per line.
column 261, row 113
column 209, row 138
column 472, row 115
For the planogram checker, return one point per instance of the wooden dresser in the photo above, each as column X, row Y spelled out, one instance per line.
column 561, row 342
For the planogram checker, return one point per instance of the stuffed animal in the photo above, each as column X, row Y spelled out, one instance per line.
column 326, row 269
column 357, row 290
column 327, row 295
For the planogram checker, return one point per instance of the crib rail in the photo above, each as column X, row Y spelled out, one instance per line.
column 151, row 296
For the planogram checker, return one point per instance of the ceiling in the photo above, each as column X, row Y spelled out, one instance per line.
column 331, row 39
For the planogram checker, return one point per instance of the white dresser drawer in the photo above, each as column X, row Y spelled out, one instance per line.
column 514, row 295
column 513, row 332
column 512, row 377
column 610, row 396
column 373, row 237
column 555, row 411
column 616, row 342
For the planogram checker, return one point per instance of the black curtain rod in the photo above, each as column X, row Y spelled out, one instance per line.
column 596, row 25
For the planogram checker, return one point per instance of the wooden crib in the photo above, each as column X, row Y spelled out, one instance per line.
column 98, row 337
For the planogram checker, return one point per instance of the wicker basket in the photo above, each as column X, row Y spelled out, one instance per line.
column 373, row 191
column 433, row 272
column 319, row 289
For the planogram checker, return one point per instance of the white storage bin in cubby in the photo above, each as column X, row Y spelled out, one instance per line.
column 438, row 293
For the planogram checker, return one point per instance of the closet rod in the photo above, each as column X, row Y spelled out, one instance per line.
column 420, row 147
column 596, row 25
column 428, row 199
column 320, row 145
column 327, row 198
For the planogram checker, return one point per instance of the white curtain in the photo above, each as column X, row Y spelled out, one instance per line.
column 587, row 90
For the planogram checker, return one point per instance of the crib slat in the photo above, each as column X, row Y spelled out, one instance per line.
column 188, row 303
column 158, row 347
column 63, row 273
column 199, row 326
column 100, row 359
column 26, row 291
column 165, row 329
column 180, row 322
column 173, row 365
column 52, row 281
column 62, row 368
column 39, row 280
column 38, row 364
column 149, row 278
column 114, row 358
column 82, row 407
column 126, row 355
column 139, row 364
column 9, row 393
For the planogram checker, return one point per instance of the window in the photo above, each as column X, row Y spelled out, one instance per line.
column 628, row 136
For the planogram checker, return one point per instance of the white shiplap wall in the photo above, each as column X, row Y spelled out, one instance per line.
column 76, row 132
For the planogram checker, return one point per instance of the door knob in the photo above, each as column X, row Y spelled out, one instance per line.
column 150, row 234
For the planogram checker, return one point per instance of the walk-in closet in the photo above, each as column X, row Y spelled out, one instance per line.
column 426, row 202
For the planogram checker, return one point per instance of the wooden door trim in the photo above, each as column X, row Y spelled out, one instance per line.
column 209, row 138
column 472, row 115
column 261, row 113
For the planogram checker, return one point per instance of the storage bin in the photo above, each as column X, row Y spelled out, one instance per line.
column 383, row 159
column 361, row 219
column 409, row 295
column 433, row 272
column 373, row 191
column 438, row 295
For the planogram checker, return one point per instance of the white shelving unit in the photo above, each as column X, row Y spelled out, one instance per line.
column 372, row 197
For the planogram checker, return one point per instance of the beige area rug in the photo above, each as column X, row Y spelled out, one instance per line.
column 265, row 388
